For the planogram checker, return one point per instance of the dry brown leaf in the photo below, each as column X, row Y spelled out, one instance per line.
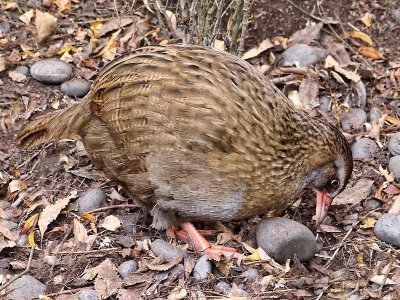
column 388, row 176
column 163, row 267
column 370, row 52
column 224, row 266
column 111, row 223
column 367, row 19
column 31, row 240
column 380, row 279
column 179, row 292
column 128, row 294
column 81, row 238
column 107, row 282
column 45, row 24
column 253, row 52
column 17, row 76
column 114, row 24
column 16, row 186
column 89, row 217
column 362, row 36
column 27, row 17
column 7, row 233
column 109, row 51
column 330, row 62
column 2, row 63
column 308, row 92
column 368, row 223
column 63, row 4
column 29, row 223
column 307, row 34
column 51, row 212
column 354, row 194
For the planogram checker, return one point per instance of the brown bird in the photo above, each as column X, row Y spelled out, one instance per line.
column 200, row 134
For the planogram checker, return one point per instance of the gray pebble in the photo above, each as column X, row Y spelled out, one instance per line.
column 394, row 144
column 239, row 293
column 92, row 199
column 353, row 119
column 128, row 223
column 375, row 114
column 76, row 87
column 347, row 227
column 283, row 238
column 127, row 268
column 5, row 27
column 387, row 229
column 87, row 294
column 318, row 291
column 372, row 204
column 394, row 166
column 26, row 287
column 202, row 268
column 51, row 70
column 166, row 250
column 24, row 70
column 303, row 55
column 364, row 148
column 396, row 14
column 223, row 288
column 324, row 103
column 250, row 275
column 164, row 274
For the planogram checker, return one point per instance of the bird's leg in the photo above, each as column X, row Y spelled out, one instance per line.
column 202, row 245
column 173, row 232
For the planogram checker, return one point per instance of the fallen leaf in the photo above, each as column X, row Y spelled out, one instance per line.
column 388, row 176
column 368, row 223
column 308, row 92
column 114, row 24
column 2, row 63
column 107, row 282
column 371, row 52
column 330, row 62
column 179, row 292
column 392, row 120
column 306, row 35
column 355, row 194
column 7, row 233
column 45, row 24
column 263, row 46
column 362, row 36
column 63, row 4
column 219, row 45
column 111, row 223
column 31, row 240
column 380, row 279
column 16, row 186
column 27, row 17
column 367, row 19
column 29, row 223
column 17, row 76
column 51, row 212
column 81, row 238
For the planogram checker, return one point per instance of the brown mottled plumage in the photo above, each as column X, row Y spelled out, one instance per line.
column 199, row 133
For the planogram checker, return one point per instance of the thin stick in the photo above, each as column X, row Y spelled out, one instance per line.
column 28, row 267
column 246, row 6
column 112, row 207
column 338, row 248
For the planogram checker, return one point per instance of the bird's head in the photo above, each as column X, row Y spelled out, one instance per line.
column 331, row 172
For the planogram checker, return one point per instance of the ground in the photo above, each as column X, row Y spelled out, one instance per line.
column 351, row 262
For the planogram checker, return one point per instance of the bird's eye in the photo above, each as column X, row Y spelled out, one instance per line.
column 335, row 184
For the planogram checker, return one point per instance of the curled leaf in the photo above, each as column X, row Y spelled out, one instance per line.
column 362, row 36
column 370, row 52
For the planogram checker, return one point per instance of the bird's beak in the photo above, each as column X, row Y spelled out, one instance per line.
column 323, row 203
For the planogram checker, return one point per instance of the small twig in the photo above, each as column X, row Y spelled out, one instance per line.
column 245, row 22
column 90, row 251
column 112, row 207
column 283, row 79
column 338, row 247
column 356, row 289
column 28, row 267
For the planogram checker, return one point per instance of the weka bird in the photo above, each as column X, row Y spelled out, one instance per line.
column 200, row 134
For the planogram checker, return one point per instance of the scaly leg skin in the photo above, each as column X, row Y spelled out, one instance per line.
column 202, row 245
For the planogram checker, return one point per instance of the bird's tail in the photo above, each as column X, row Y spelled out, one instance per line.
column 57, row 125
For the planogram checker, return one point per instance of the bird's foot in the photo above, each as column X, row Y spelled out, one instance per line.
column 214, row 252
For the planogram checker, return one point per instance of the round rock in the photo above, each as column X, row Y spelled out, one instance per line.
column 396, row 14
column 223, row 288
column 394, row 166
column 88, row 294
column 372, row 204
column 202, row 268
column 51, row 70
column 166, row 250
column 303, row 55
column 324, row 103
column 26, row 287
column 90, row 200
column 387, row 229
column 24, row 70
column 250, row 275
column 394, row 144
column 375, row 114
column 127, row 268
column 76, row 87
column 283, row 238
column 353, row 119
column 364, row 148
column 5, row 27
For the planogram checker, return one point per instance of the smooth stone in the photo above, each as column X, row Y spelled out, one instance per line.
column 396, row 14
column 24, row 70
column 202, row 268
column 353, row 119
column 128, row 223
column 127, row 268
column 51, row 70
column 283, row 238
column 5, row 27
column 238, row 292
column 364, row 148
column 166, row 250
column 372, row 204
column 375, row 114
column 303, row 55
column 324, row 103
column 250, row 275
column 87, row 294
column 26, row 287
column 76, row 87
column 394, row 166
column 394, row 144
column 90, row 200
column 164, row 274
column 223, row 288
column 387, row 229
